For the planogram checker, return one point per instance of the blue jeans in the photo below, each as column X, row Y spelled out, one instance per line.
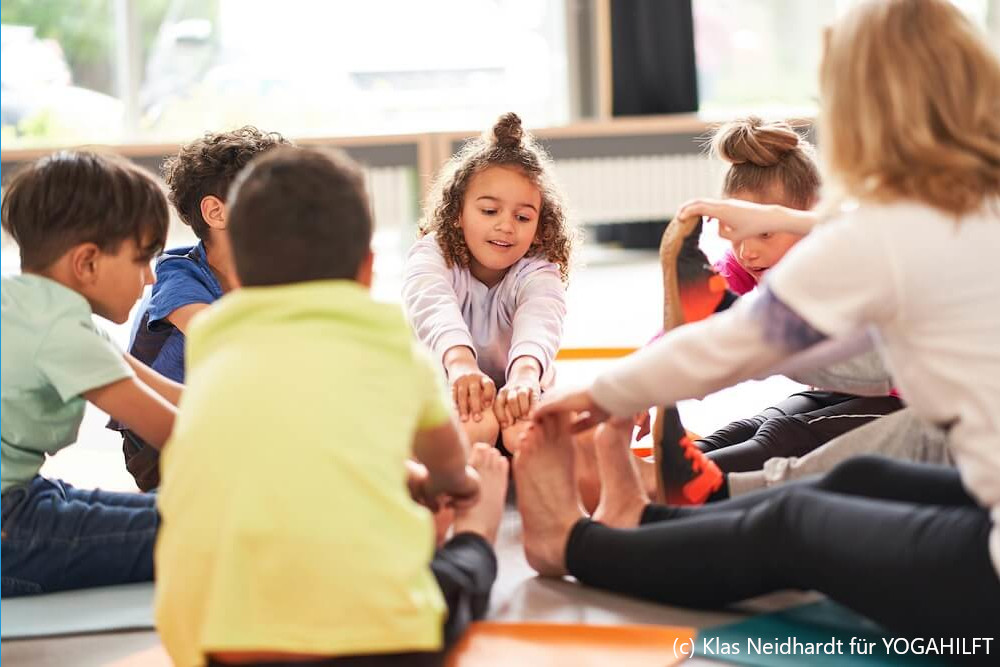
column 56, row 537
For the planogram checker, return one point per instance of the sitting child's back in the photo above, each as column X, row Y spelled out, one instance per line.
column 312, row 545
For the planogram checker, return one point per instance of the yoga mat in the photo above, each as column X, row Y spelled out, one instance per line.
column 486, row 644
column 820, row 624
column 128, row 607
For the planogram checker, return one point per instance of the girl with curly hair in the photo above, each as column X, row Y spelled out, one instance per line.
column 485, row 284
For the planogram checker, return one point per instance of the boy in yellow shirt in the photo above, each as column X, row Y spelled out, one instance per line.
column 314, row 549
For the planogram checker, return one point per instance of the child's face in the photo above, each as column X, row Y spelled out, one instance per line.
column 499, row 219
column 759, row 253
column 120, row 279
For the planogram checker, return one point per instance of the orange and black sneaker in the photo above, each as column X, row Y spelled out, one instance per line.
column 691, row 291
column 685, row 475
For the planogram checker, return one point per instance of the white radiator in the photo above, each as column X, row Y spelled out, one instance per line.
column 630, row 189
column 597, row 190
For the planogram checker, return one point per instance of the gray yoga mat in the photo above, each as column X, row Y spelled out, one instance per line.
column 115, row 608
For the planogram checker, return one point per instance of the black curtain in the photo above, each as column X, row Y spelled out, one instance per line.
column 652, row 53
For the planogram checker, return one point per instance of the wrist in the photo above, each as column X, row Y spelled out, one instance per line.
column 526, row 369
column 460, row 357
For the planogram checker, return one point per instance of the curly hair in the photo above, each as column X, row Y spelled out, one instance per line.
column 208, row 166
column 505, row 144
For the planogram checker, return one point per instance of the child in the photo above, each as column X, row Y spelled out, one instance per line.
column 914, row 547
column 485, row 286
column 189, row 278
column 315, row 549
column 770, row 165
column 87, row 226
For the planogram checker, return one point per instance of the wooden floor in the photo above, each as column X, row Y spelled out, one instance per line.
column 518, row 595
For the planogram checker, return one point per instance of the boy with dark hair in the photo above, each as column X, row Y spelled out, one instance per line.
column 316, row 548
column 190, row 278
column 87, row 226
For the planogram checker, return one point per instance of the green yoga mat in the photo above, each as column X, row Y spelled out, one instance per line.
column 819, row 634
column 110, row 609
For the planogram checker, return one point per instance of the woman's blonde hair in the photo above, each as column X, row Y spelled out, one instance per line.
column 505, row 144
column 911, row 106
column 764, row 155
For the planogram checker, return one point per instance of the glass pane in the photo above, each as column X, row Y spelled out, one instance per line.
column 58, row 72
column 763, row 55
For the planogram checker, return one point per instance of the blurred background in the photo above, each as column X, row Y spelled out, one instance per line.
column 623, row 93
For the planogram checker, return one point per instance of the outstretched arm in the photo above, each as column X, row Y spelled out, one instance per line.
column 133, row 403
column 739, row 219
column 163, row 386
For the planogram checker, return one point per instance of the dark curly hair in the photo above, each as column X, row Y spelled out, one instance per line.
column 208, row 166
column 505, row 144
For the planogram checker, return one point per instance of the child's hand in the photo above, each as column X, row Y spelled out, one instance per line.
column 473, row 391
column 419, row 485
column 521, row 392
column 515, row 400
column 463, row 492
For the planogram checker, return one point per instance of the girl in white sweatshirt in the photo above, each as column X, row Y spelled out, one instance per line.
column 485, row 284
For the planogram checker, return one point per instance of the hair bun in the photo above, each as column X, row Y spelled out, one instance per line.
column 754, row 141
column 508, row 131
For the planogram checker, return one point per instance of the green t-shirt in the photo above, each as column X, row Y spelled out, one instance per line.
column 52, row 353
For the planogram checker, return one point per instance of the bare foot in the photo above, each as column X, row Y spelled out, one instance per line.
column 483, row 518
column 513, row 434
column 588, row 478
column 622, row 495
column 547, row 497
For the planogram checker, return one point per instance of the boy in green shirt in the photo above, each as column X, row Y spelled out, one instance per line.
column 314, row 546
column 87, row 226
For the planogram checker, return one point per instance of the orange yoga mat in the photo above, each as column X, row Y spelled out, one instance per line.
column 486, row 644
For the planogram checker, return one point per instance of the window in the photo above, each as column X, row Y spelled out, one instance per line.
column 301, row 67
column 763, row 55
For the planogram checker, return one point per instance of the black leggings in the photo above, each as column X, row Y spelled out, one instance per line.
column 796, row 426
column 901, row 543
column 465, row 568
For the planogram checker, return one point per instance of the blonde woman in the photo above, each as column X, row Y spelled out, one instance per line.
column 910, row 130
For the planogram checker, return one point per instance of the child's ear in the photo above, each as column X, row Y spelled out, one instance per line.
column 84, row 261
column 366, row 270
column 213, row 212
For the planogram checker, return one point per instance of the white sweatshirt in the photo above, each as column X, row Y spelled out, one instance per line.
column 916, row 278
column 522, row 315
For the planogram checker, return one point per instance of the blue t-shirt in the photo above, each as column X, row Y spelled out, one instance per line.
column 183, row 277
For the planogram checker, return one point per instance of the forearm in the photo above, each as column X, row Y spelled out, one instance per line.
column 459, row 357
column 444, row 452
column 525, row 368
column 695, row 360
column 164, row 386
column 538, row 320
column 137, row 406
column 793, row 220
column 431, row 302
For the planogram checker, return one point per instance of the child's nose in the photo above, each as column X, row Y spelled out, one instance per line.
column 150, row 276
column 748, row 251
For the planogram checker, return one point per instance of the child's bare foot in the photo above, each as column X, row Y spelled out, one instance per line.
column 483, row 518
column 588, row 478
column 622, row 495
column 547, row 497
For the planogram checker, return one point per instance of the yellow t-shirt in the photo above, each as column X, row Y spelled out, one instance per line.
column 286, row 522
